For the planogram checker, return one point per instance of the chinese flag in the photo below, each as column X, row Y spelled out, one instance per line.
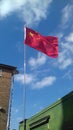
column 45, row 44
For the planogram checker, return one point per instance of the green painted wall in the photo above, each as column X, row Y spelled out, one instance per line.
column 61, row 116
column 21, row 127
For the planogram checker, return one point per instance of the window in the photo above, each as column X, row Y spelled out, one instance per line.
column 41, row 124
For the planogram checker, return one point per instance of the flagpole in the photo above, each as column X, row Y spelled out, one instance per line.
column 24, row 80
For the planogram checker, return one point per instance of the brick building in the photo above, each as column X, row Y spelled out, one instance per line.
column 6, row 74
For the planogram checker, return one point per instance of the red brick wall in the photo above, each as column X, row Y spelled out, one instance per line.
column 5, row 83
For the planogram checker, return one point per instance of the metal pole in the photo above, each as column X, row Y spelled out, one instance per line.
column 24, row 82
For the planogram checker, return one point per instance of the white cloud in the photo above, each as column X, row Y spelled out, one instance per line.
column 64, row 63
column 67, row 53
column 35, row 83
column 67, row 15
column 68, row 75
column 28, row 78
column 68, row 47
column 45, row 82
column 36, row 62
column 69, row 38
column 30, row 11
column 64, row 59
column 59, row 35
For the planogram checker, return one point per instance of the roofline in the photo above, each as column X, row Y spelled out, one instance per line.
column 64, row 98
column 22, row 121
column 9, row 67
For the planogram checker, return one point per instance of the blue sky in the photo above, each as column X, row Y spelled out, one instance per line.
column 47, row 79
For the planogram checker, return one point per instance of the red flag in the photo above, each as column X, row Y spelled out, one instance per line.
column 45, row 44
